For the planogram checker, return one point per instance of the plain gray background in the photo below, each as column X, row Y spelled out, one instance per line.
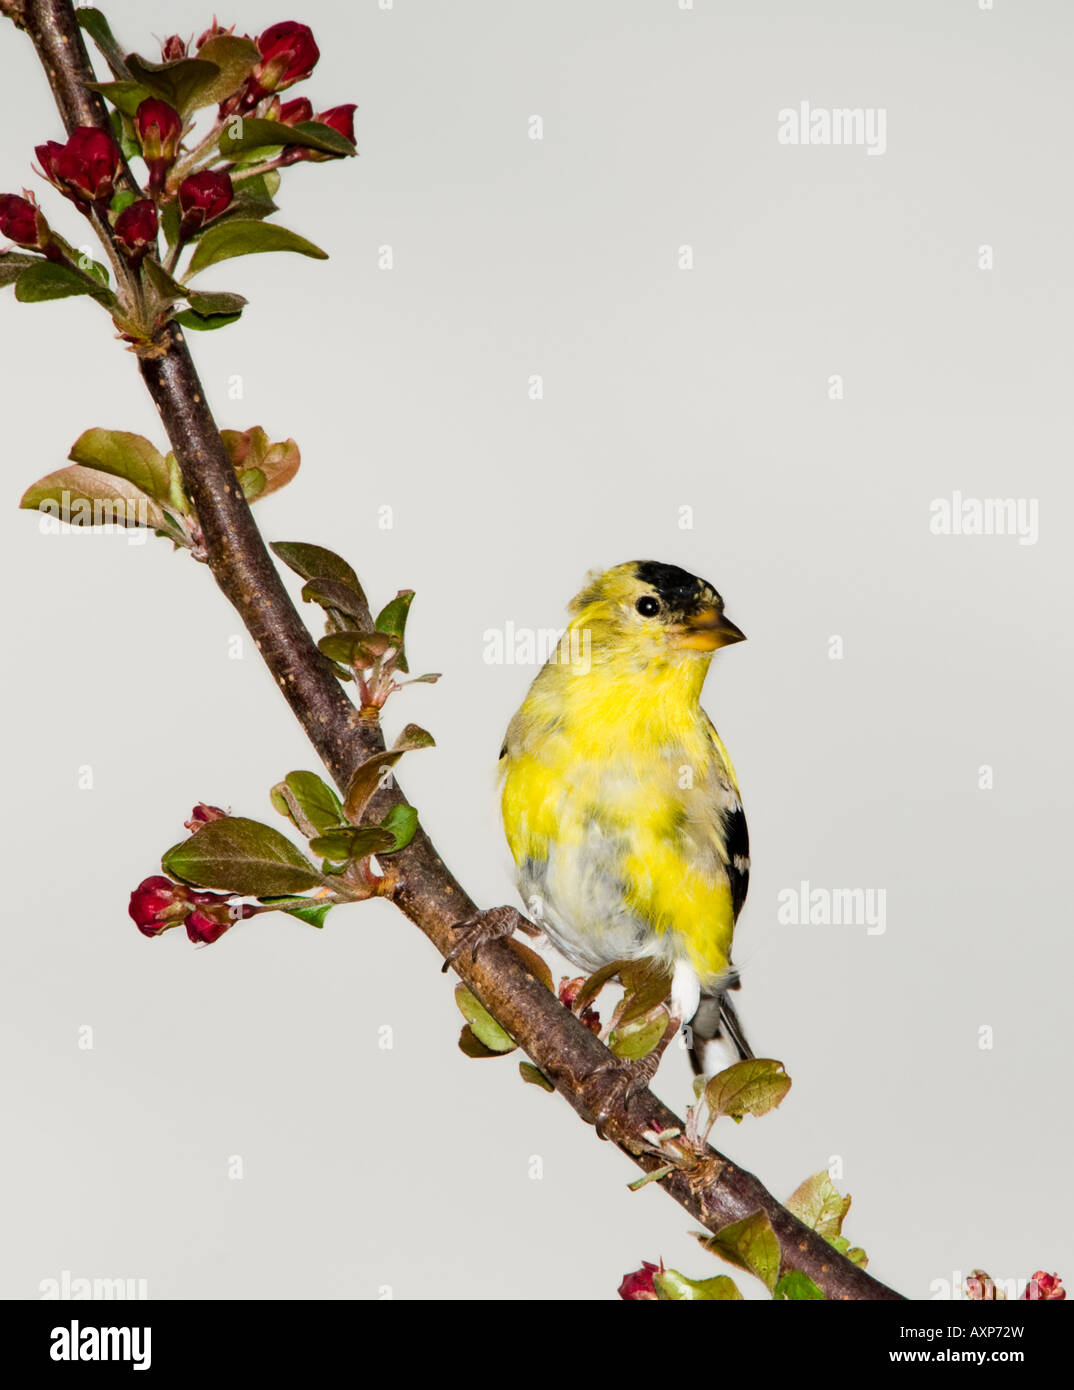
column 414, row 1169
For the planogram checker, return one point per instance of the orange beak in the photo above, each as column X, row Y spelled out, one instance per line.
column 706, row 630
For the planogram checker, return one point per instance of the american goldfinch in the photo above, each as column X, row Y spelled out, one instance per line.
column 620, row 803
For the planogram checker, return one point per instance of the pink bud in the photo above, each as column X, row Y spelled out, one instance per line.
column 21, row 221
column 288, row 54
column 136, row 228
column 202, row 814
column 85, row 168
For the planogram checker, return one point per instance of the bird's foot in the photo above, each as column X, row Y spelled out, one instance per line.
column 615, row 1084
column 491, row 925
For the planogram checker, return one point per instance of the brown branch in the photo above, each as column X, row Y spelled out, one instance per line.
column 715, row 1192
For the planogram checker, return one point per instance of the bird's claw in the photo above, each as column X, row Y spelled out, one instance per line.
column 492, row 925
column 616, row 1082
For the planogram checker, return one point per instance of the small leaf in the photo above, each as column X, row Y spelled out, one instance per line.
column 596, row 983
column 125, row 96
column 311, row 910
column 85, row 496
column 367, row 775
column 484, row 1026
column 473, row 1046
column 314, row 562
column 534, row 1076
column 246, row 238
column 639, row 1038
column 350, row 648
column 246, row 133
column 124, row 455
column 13, row 263
column 330, row 593
column 252, row 482
column 277, row 462
column 48, row 280
column 672, row 1286
column 538, row 968
column 796, row 1287
column 180, row 83
column 402, row 822
column 430, row 678
column 235, row 58
column 242, row 856
column 352, row 842
column 818, row 1205
column 310, row 803
column 854, row 1253
column 392, row 620
column 97, row 27
column 753, row 1087
column 646, row 983
column 750, row 1244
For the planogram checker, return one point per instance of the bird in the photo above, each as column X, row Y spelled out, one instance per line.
column 620, row 803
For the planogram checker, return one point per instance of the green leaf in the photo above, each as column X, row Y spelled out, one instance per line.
column 308, row 802
column 361, row 649
column 311, row 910
column 392, row 620
column 639, row 1038
column 534, row 1076
column 125, row 96
column 750, row 1244
column 247, row 237
column 854, row 1253
column 314, row 562
column 242, row 856
column 50, row 280
column 473, row 1046
column 170, row 220
column 330, row 593
column 484, row 1026
column 818, row 1205
column 402, row 822
column 86, row 496
column 796, row 1287
column 181, row 83
column 752, row 1087
column 367, row 775
column 124, row 135
column 672, row 1286
column 189, row 318
column 235, row 58
column 124, row 455
column 352, row 842
column 278, row 462
column 121, row 200
column 646, row 983
column 97, row 27
column 13, row 263
column 245, row 133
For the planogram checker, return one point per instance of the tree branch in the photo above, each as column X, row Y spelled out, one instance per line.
column 715, row 1191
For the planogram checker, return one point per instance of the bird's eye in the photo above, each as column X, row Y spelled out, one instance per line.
column 648, row 606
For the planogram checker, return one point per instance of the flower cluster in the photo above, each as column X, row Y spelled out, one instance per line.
column 194, row 173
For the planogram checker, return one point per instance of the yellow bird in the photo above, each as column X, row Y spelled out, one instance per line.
column 620, row 803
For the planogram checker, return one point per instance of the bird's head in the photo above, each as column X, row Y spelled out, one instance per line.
column 653, row 612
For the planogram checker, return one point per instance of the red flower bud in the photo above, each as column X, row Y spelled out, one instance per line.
column 173, row 47
column 136, row 228
column 203, row 927
column 291, row 112
column 1046, row 1287
column 202, row 814
column 21, row 221
column 202, row 197
column 158, row 127
column 288, row 54
column 340, row 118
column 157, row 904
column 638, row 1287
column 568, row 992
column 85, row 168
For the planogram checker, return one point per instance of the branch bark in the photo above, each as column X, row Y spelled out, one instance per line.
column 715, row 1192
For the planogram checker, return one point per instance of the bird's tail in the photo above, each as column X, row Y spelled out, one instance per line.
column 716, row 1020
